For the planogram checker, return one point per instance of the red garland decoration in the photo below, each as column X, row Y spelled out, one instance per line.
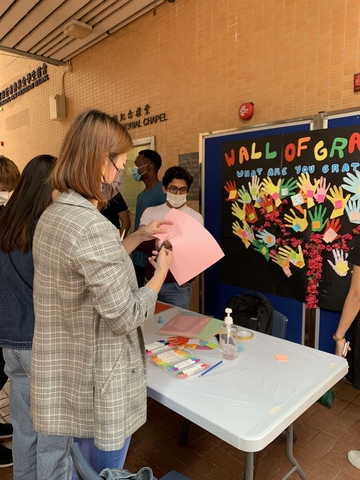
column 312, row 249
column 314, row 269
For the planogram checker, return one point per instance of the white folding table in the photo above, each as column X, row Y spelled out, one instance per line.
column 250, row 401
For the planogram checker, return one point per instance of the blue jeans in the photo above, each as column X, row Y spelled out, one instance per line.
column 175, row 294
column 99, row 459
column 36, row 456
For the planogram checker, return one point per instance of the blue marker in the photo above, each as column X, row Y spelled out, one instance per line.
column 211, row 368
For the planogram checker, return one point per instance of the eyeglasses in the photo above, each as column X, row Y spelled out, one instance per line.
column 175, row 190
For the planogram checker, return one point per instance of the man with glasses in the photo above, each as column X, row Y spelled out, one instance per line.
column 175, row 184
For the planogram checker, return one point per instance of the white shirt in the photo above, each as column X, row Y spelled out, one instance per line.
column 159, row 212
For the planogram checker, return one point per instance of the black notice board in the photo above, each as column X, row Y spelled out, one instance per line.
column 216, row 292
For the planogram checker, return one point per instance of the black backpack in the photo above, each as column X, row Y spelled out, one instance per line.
column 252, row 310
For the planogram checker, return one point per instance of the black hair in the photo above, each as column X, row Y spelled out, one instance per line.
column 153, row 156
column 30, row 198
column 180, row 174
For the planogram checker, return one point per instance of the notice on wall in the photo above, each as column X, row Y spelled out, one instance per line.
column 290, row 213
column 190, row 161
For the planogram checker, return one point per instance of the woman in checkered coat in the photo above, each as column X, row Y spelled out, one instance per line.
column 88, row 370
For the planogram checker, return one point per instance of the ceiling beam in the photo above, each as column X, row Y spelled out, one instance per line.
column 52, row 61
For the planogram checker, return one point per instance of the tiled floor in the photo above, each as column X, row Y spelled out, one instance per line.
column 324, row 437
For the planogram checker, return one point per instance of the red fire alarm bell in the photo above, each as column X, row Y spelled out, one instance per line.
column 246, row 111
column 356, row 82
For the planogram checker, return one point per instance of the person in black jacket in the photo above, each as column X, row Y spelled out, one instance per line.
column 9, row 178
column 36, row 456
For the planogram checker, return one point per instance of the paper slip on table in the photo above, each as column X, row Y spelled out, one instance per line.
column 250, row 401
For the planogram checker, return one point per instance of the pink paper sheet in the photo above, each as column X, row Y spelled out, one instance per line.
column 194, row 248
column 185, row 325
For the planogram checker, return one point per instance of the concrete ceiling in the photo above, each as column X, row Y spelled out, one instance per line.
column 34, row 28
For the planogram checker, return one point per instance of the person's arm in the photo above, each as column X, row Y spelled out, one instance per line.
column 350, row 310
column 125, row 222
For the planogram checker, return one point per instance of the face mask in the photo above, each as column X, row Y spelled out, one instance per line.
column 135, row 173
column 175, row 201
column 109, row 190
column 4, row 197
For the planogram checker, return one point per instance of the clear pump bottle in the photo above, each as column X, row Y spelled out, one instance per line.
column 228, row 337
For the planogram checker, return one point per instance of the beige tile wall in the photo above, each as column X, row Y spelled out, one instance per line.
column 197, row 61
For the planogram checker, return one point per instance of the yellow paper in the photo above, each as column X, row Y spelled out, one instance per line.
column 341, row 268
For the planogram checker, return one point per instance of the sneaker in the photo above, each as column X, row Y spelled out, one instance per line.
column 354, row 458
column 6, row 430
column 6, row 459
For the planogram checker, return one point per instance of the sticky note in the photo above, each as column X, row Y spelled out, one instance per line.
column 341, row 268
column 275, row 196
column 310, row 193
column 212, row 345
column 338, row 204
column 281, row 357
column 316, row 225
column 193, row 341
column 296, row 227
column 354, row 216
column 329, row 235
column 297, row 199
column 232, row 194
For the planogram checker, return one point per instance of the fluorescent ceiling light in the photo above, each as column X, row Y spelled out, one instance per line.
column 77, row 29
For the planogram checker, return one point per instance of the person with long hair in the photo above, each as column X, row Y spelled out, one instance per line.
column 88, row 370
column 36, row 456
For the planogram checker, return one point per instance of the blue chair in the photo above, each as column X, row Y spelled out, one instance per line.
column 279, row 325
column 86, row 472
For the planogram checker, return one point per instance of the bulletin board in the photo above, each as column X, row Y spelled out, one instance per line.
column 217, row 292
column 311, row 233
column 329, row 319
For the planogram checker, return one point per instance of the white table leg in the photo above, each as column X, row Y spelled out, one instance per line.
column 289, row 432
column 250, row 459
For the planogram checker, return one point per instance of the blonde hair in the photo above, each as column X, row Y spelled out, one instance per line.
column 9, row 173
column 92, row 135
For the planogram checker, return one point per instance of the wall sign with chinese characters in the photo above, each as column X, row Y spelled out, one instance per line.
column 25, row 84
column 136, row 120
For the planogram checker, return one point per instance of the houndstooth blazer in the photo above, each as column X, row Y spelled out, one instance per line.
column 88, row 370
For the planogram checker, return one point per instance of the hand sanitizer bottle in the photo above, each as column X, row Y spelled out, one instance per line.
column 228, row 337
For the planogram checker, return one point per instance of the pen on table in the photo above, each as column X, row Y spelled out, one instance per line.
column 208, row 370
